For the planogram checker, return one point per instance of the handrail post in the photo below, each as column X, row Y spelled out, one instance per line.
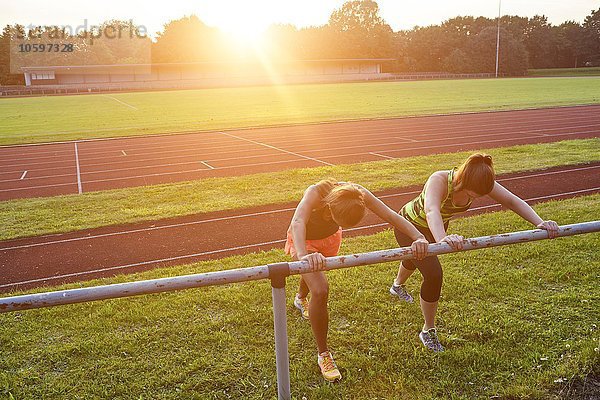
column 278, row 273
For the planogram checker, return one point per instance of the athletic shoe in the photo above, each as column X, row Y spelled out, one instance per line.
column 302, row 305
column 431, row 341
column 401, row 292
column 328, row 368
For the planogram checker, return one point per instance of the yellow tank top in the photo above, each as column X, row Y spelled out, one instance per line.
column 414, row 210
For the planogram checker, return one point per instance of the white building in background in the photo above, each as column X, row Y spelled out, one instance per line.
column 201, row 74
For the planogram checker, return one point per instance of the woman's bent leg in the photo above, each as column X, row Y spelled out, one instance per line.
column 431, row 269
column 303, row 289
column 403, row 274
column 317, row 310
column 429, row 310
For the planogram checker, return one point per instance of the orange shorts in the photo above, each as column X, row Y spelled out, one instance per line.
column 329, row 246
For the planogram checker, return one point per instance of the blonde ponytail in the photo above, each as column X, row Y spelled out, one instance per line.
column 346, row 202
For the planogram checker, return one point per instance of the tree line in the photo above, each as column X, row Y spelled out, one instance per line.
column 112, row 42
column 355, row 30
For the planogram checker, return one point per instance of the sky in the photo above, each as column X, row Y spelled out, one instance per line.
column 250, row 17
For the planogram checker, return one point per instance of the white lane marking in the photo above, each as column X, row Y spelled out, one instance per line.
column 451, row 144
column 149, row 175
column 123, row 151
column 359, row 132
column 262, row 156
column 207, row 164
column 381, row 155
column 403, row 138
column 37, row 187
column 153, row 228
column 23, row 176
column 568, row 109
column 539, row 134
column 79, row 188
column 282, row 210
column 252, row 164
column 142, row 263
column 485, row 135
column 245, row 246
column 546, row 173
column 219, row 150
column 275, row 148
column 119, row 101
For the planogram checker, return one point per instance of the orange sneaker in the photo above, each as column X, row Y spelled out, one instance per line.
column 302, row 305
column 328, row 368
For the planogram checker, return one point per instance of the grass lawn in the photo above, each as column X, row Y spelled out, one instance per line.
column 588, row 71
column 57, row 118
column 515, row 320
column 32, row 217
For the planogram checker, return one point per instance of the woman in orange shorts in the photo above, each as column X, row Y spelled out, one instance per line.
column 316, row 232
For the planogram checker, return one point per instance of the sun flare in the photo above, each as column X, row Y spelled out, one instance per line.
column 244, row 32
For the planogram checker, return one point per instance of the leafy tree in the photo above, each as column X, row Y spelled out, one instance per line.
column 360, row 16
column 8, row 34
column 5, row 76
column 518, row 27
column 481, row 53
column 591, row 38
column 187, row 40
column 120, row 42
column 542, row 42
column 315, row 43
column 429, row 46
column 461, row 29
column 571, row 46
column 114, row 42
column 359, row 31
column 457, row 62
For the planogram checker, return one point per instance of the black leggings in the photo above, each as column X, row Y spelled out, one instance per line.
column 430, row 267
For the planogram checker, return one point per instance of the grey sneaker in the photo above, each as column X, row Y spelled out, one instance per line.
column 401, row 292
column 431, row 341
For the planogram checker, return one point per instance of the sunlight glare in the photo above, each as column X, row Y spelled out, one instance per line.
column 244, row 27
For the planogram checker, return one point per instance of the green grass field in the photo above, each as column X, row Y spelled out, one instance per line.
column 588, row 71
column 31, row 217
column 57, row 118
column 514, row 320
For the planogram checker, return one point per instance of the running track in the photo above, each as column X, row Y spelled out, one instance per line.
column 108, row 251
column 83, row 166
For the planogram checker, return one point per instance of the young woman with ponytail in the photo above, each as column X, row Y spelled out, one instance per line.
column 445, row 194
column 316, row 232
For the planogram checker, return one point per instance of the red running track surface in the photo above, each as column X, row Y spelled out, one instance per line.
column 83, row 166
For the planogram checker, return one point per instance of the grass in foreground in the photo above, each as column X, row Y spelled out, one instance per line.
column 514, row 319
column 31, row 217
column 58, row 118
column 566, row 72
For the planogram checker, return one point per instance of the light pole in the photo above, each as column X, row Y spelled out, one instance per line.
column 498, row 37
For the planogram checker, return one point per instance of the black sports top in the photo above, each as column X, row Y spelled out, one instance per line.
column 318, row 227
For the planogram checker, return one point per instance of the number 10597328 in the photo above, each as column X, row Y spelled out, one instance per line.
column 46, row 48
